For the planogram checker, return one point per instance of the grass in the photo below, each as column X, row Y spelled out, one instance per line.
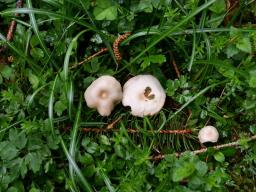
column 213, row 48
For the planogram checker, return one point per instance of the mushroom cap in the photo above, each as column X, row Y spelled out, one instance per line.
column 208, row 134
column 144, row 94
column 103, row 94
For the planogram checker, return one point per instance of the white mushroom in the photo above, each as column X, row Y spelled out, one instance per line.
column 208, row 134
column 103, row 94
column 144, row 94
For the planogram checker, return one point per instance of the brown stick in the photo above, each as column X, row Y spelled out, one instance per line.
column 176, row 69
column 12, row 27
column 217, row 147
column 131, row 130
column 112, row 125
column 101, row 51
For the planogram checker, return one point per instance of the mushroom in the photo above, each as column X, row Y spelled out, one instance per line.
column 103, row 94
column 208, row 134
column 144, row 94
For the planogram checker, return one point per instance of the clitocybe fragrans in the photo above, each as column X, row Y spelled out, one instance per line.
column 144, row 94
column 208, row 134
column 103, row 94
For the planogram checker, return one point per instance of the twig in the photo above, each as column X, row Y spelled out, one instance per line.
column 101, row 51
column 112, row 125
column 176, row 68
column 117, row 54
column 131, row 130
column 174, row 65
column 231, row 5
column 217, row 147
column 12, row 27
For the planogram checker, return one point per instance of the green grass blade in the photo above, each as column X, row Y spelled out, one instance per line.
column 192, row 57
column 222, row 64
column 69, row 52
column 50, row 104
column 10, row 126
column 87, row 12
column 54, row 3
column 20, row 53
column 84, row 182
column 68, row 82
column 194, row 98
column 35, row 28
column 31, row 98
column 70, row 98
column 47, row 13
column 144, row 32
column 106, row 180
column 169, row 31
column 72, row 147
column 208, row 46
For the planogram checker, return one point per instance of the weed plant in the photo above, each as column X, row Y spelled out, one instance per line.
column 202, row 52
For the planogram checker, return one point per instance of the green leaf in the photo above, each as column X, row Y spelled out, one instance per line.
column 23, row 168
column 218, row 7
column 172, row 86
column 8, row 151
column 229, row 151
column 104, row 140
column 109, row 13
column 231, row 51
column 86, row 159
column 152, row 59
column 93, row 66
column 85, row 142
column 59, row 107
column 145, row 5
column 201, row 167
column 34, row 190
column 33, row 79
column 37, row 53
column 12, row 189
column 33, row 161
column 89, row 170
column 6, row 72
column 17, row 138
column 52, row 142
column 244, row 44
column 142, row 158
column 219, row 156
column 253, row 129
column 252, row 79
column 92, row 147
column 183, row 171
column 18, row 185
column 243, row 142
column 157, row 58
